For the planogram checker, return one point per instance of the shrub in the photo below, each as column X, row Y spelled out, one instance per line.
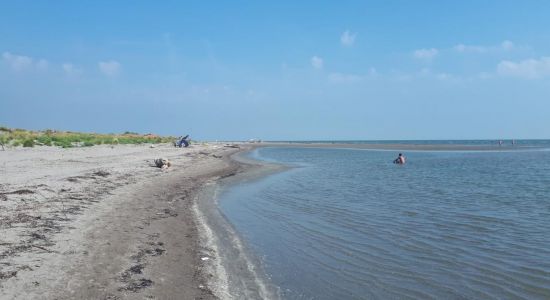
column 3, row 141
column 44, row 139
column 96, row 141
column 87, row 144
column 63, row 144
column 107, row 141
column 28, row 143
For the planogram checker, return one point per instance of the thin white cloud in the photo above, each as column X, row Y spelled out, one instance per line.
column 317, row 62
column 373, row 72
column 347, row 38
column 337, row 77
column 507, row 45
column 426, row 54
column 529, row 68
column 17, row 62
column 443, row 76
column 504, row 46
column 70, row 69
column 21, row 63
column 42, row 64
column 469, row 48
column 425, row 72
column 109, row 68
column 484, row 75
column 344, row 78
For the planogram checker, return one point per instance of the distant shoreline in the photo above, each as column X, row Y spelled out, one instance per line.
column 398, row 147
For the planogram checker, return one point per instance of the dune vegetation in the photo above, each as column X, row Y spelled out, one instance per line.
column 20, row 137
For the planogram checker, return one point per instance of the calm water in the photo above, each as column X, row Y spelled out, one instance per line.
column 349, row 224
column 518, row 143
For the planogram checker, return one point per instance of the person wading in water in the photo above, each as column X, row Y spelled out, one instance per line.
column 400, row 159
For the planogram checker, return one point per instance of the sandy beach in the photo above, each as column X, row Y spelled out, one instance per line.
column 103, row 222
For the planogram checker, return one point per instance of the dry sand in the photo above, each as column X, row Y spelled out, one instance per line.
column 104, row 223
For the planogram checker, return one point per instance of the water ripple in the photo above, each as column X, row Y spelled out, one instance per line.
column 350, row 225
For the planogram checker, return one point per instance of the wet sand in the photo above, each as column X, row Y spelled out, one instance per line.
column 104, row 223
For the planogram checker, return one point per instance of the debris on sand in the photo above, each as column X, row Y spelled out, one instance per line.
column 228, row 175
column 8, row 275
column 137, row 269
column 19, row 192
column 42, row 248
column 162, row 163
column 137, row 285
column 101, row 173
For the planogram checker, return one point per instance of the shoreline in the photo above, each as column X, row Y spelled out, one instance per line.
column 99, row 222
column 238, row 272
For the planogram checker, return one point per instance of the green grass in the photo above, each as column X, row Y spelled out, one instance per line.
column 66, row 139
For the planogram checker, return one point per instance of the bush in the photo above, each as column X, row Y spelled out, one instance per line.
column 28, row 143
column 3, row 141
column 107, row 141
column 87, row 144
column 96, row 141
column 63, row 144
column 44, row 139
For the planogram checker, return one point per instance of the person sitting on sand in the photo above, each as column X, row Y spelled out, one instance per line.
column 184, row 142
column 400, row 159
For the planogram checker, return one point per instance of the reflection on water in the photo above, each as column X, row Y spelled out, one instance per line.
column 349, row 224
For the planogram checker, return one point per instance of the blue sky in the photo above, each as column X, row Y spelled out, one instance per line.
column 278, row 70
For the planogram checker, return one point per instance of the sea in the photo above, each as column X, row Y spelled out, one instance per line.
column 341, row 223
